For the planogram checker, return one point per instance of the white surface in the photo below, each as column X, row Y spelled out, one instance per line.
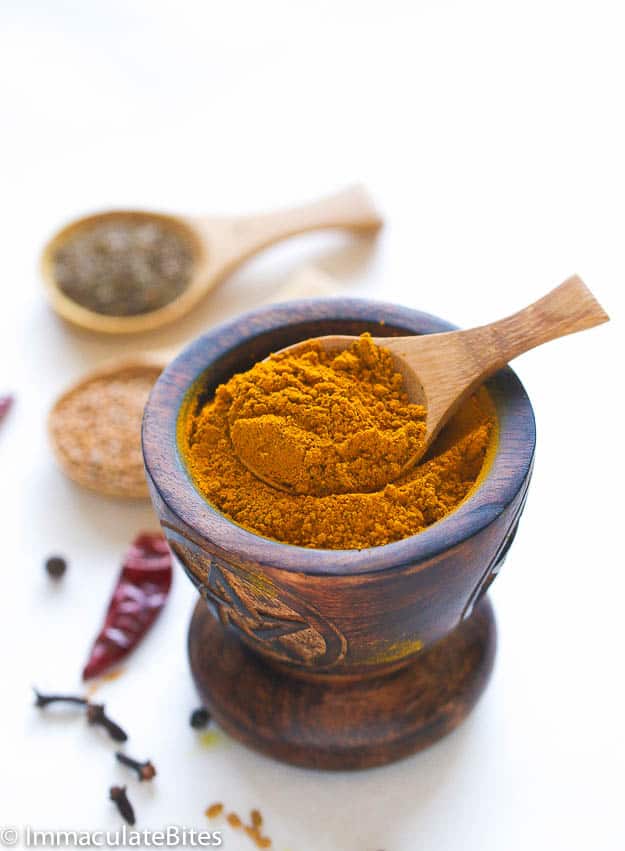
column 492, row 136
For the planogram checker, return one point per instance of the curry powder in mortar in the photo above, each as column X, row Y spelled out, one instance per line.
column 336, row 430
column 322, row 424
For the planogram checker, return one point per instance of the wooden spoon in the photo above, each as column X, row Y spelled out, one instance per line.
column 220, row 245
column 441, row 370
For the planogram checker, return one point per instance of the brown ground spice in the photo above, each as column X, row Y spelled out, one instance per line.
column 96, row 431
column 319, row 403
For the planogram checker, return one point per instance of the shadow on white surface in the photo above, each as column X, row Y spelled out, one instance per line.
column 352, row 811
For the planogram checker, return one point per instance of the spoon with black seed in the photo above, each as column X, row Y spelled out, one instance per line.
column 127, row 271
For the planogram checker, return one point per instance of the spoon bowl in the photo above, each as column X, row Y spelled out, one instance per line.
column 218, row 245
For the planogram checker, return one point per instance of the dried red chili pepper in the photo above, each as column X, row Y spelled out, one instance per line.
column 139, row 596
column 5, row 405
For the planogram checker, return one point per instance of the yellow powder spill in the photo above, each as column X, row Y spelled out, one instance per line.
column 209, row 738
column 105, row 678
column 214, row 810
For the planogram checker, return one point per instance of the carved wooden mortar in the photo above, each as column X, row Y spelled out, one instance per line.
column 335, row 658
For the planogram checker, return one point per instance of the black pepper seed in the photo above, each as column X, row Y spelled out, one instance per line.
column 56, row 566
column 124, row 265
column 199, row 718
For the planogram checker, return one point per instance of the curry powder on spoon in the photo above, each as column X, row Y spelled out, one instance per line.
column 336, row 430
column 322, row 424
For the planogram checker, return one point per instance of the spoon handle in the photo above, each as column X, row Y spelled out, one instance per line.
column 568, row 308
column 241, row 237
column 445, row 368
column 351, row 208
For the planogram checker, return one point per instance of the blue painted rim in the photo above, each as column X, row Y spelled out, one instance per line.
column 508, row 472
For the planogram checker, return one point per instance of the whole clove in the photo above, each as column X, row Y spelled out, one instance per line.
column 118, row 795
column 145, row 770
column 98, row 718
column 199, row 718
column 42, row 700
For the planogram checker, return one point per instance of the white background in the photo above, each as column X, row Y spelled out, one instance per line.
column 492, row 137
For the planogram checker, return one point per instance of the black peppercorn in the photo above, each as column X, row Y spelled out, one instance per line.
column 56, row 566
column 199, row 718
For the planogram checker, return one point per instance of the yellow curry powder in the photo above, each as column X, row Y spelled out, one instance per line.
column 336, row 432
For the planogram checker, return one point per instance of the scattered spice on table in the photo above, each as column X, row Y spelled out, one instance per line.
column 257, row 837
column 214, row 810
column 139, row 596
column 145, row 770
column 124, row 265
column 95, row 430
column 311, row 420
column 6, row 403
column 253, row 830
column 199, row 718
column 119, row 796
column 210, row 738
column 108, row 677
column 56, row 566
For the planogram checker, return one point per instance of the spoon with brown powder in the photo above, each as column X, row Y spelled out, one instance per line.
column 439, row 372
column 128, row 271
column 95, row 426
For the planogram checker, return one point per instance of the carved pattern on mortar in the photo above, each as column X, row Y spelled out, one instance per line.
column 491, row 573
column 277, row 622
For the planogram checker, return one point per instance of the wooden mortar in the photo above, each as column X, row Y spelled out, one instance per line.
column 336, row 659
